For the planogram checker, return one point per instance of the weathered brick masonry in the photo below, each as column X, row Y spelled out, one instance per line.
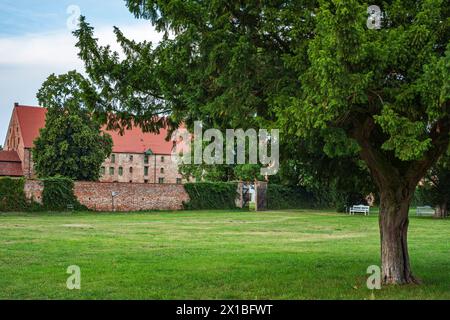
column 33, row 190
column 130, row 197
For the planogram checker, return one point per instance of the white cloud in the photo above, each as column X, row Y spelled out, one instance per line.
column 26, row 61
column 58, row 48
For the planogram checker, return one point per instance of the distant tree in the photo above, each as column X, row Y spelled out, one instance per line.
column 435, row 187
column 324, row 171
column 71, row 144
column 207, row 173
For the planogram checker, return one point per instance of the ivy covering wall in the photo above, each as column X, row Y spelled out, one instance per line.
column 211, row 195
column 12, row 195
column 58, row 194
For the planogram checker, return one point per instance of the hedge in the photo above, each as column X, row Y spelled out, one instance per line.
column 289, row 197
column 211, row 195
column 58, row 194
column 12, row 195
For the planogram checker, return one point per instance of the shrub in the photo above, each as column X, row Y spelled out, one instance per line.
column 58, row 194
column 12, row 195
column 211, row 195
column 289, row 197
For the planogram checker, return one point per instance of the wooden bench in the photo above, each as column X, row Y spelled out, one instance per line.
column 425, row 211
column 360, row 209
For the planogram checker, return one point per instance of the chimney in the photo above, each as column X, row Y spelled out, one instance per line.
column 16, row 104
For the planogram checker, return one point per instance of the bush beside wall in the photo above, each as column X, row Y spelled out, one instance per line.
column 211, row 195
column 12, row 195
column 58, row 194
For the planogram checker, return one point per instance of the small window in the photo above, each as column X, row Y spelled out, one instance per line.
column 102, row 171
column 131, row 169
column 145, row 171
column 145, row 181
column 178, row 180
column 113, row 158
column 162, row 159
column 162, row 170
column 120, row 171
column 131, row 158
column 146, row 159
column 111, row 171
column 161, row 180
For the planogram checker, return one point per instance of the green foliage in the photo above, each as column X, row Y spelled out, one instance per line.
column 221, row 172
column 207, row 173
column 387, row 89
column 209, row 195
column 289, row 197
column 12, row 195
column 248, row 172
column 71, row 144
column 435, row 187
column 58, row 194
column 404, row 135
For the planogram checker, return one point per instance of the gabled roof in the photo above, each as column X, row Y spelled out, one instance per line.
column 31, row 119
column 10, row 164
column 136, row 141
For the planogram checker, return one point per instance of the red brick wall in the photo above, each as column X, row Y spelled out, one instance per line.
column 33, row 190
column 131, row 196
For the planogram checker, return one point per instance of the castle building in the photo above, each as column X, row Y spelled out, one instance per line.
column 137, row 157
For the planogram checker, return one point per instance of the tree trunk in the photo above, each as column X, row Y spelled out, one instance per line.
column 396, row 180
column 394, row 222
column 441, row 211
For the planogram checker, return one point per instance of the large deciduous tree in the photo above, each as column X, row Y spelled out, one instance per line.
column 387, row 90
column 71, row 144
column 311, row 68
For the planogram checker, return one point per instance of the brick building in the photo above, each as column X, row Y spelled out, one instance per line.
column 137, row 157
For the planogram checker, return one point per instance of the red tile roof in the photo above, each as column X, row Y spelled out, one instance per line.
column 9, row 156
column 10, row 164
column 136, row 141
column 31, row 119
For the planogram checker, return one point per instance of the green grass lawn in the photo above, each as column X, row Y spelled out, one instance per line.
column 211, row 255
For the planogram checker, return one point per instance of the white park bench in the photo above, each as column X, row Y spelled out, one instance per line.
column 425, row 211
column 360, row 209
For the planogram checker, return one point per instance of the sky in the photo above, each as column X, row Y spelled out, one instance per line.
column 36, row 40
